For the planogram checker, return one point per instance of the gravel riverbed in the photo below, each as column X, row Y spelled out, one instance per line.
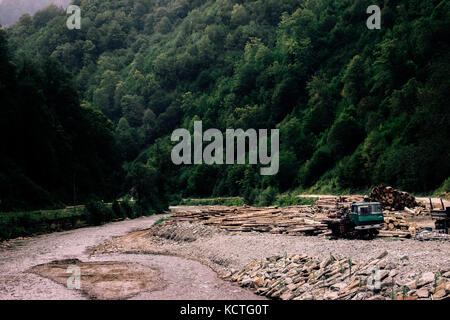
column 184, row 278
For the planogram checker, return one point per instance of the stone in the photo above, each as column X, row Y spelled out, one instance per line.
column 297, row 279
column 259, row 282
column 387, row 282
column 261, row 291
column 401, row 297
column 274, row 284
column 404, row 258
column 246, row 280
column 331, row 295
column 278, row 293
column 423, row 293
column 426, row 278
column 306, row 296
column 393, row 273
column 447, row 287
column 440, row 285
column 292, row 287
column 338, row 286
column 383, row 274
column 287, row 296
column 325, row 262
column 355, row 284
column 384, row 254
column 411, row 285
column 291, row 273
column 236, row 277
column 439, row 294
column 382, row 264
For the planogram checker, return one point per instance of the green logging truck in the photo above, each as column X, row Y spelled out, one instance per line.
column 361, row 220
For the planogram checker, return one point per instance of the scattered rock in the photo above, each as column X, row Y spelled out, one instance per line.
column 439, row 294
column 426, row 278
column 423, row 293
column 299, row 277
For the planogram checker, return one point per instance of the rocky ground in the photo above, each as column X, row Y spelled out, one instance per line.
column 191, row 260
column 27, row 271
column 230, row 252
column 298, row 277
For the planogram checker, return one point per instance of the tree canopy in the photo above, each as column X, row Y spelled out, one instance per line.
column 355, row 107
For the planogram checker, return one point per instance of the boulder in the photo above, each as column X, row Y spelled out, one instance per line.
column 426, row 278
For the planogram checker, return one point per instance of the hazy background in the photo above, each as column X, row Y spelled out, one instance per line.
column 11, row 10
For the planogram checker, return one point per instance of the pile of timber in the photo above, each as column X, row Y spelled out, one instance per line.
column 392, row 199
column 335, row 206
column 298, row 220
column 399, row 227
column 418, row 211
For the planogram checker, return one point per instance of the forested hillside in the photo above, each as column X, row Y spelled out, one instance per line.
column 52, row 150
column 11, row 10
column 355, row 107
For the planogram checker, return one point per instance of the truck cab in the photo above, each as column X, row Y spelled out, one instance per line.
column 367, row 216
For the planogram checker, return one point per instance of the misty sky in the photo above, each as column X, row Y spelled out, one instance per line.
column 11, row 10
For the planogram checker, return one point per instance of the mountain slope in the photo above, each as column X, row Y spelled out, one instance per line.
column 52, row 151
column 355, row 107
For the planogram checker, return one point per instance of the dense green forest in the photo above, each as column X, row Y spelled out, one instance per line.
column 52, row 150
column 355, row 107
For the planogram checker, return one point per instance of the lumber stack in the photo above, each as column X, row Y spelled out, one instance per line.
column 298, row 220
column 399, row 223
column 398, row 226
column 334, row 206
column 392, row 199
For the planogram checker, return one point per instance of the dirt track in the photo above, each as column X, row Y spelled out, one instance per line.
column 184, row 279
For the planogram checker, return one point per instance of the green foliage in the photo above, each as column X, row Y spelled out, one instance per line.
column 159, row 221
column 53, row 150
column 355, row 107
column 127, row 209
column 225, row 201
column 444, row 190
column 287, row 200
column 267, row 197
column 21, row 224
column 98, row 213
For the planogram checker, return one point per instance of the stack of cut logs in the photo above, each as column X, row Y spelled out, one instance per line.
column 398, row 226
column 334, row 206
column 299, row 220
column 392, row 199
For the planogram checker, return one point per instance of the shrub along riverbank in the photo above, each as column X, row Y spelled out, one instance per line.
column 264, row 199
column 94, row 213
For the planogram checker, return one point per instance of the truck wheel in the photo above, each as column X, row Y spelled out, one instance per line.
column 335, row 232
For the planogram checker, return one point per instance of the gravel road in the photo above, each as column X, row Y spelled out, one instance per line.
column 185, row 279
